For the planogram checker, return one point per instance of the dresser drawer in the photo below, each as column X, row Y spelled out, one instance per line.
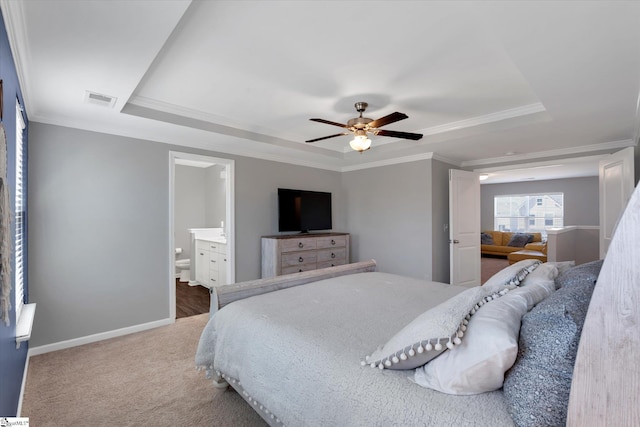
column 332, row 254
column 299, row 258
column 299, row 268
column 304, row 252
column 331, row 241
column 301, row 244
column 331, row 263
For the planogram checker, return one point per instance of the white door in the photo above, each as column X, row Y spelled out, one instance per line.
column 464, row 227
column 616, row 186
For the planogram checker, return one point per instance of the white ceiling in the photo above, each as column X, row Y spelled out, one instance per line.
column 489, row 84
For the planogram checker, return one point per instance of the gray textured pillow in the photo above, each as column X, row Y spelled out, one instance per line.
column 579, row 274
column 537, row 387
column 518, row 240
column 486, row 239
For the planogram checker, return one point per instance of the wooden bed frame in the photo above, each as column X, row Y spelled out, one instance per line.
column 606, row 378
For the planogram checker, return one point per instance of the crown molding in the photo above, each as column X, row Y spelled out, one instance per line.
column 387, row 162
column 14, row 22
column 583, row 149
column 524, row 110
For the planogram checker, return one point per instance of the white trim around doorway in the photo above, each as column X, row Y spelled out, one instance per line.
column 229, row 210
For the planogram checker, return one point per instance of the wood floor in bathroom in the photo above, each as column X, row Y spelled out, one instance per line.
column 191, row 300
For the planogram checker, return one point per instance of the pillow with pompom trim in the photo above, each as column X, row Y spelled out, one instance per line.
column 490, row 346
column 512, row 275
column 443, row 326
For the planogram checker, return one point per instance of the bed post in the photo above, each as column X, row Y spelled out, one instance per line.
column 606, row 376
column 218, row 381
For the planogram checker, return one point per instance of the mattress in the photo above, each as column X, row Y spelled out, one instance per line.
column 298, row 352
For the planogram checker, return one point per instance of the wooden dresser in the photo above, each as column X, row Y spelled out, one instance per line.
column 303, row 252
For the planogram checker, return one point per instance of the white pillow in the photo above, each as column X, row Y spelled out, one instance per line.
column 490, row 345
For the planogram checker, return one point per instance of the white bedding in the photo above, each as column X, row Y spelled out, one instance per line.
column 298, row 351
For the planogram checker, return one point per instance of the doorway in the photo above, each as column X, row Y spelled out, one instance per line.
column 217, row 211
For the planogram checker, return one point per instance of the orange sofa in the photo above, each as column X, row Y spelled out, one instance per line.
column 501, row 238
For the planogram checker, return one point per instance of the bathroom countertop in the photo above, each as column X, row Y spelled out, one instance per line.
column 222, row 240
column 209, row 234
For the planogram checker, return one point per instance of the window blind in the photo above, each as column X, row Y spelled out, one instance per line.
column 19, row 243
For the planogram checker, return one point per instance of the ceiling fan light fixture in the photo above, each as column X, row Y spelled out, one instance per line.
column 360, row 142
column 361, row 126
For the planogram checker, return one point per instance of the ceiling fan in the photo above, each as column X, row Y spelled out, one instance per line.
column 360, row 127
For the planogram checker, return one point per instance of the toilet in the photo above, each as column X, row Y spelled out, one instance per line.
column 182, row 267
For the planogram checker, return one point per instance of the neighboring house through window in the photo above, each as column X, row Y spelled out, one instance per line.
column 528, row 212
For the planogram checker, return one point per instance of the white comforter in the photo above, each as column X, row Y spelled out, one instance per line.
column 298, row 351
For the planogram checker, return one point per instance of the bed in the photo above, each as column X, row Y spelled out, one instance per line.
column 351, row 346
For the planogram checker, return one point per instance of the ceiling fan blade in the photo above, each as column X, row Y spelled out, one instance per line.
column 391, row 118
column 329, row 122
column 395, row 134
column 327, row 137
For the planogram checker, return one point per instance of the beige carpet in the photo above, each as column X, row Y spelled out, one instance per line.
column 143, row 379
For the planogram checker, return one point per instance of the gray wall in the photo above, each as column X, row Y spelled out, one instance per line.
column 580, row 198
column 257, row 182
column 99, row 225
column 396, row 215
column 189, row 205
column 98, row 240
column 215, row 197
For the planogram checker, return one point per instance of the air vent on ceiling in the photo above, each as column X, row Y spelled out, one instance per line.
column 99, row 99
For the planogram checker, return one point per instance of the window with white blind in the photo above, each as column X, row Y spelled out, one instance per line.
column 20, row 212
column 528, row 212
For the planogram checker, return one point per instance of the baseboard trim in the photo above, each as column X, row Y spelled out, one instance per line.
column 47, row 348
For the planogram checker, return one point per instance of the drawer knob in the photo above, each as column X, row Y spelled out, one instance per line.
column 300, row 259
column 333, row 242
column 300, row 271
column 333, row 255
column 300, row 245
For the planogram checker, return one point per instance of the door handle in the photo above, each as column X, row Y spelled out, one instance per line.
column 454, row 241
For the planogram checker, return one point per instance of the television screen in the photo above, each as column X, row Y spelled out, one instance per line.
column 300, row 210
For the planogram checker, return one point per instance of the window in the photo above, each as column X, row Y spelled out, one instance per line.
column 19, row 240
column 528, row 212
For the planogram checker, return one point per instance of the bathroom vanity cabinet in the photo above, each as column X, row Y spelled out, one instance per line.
column 211, row 263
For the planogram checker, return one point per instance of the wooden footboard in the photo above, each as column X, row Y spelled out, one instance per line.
column 223, row 295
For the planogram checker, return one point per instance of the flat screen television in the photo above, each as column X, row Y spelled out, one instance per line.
column 303, row 211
